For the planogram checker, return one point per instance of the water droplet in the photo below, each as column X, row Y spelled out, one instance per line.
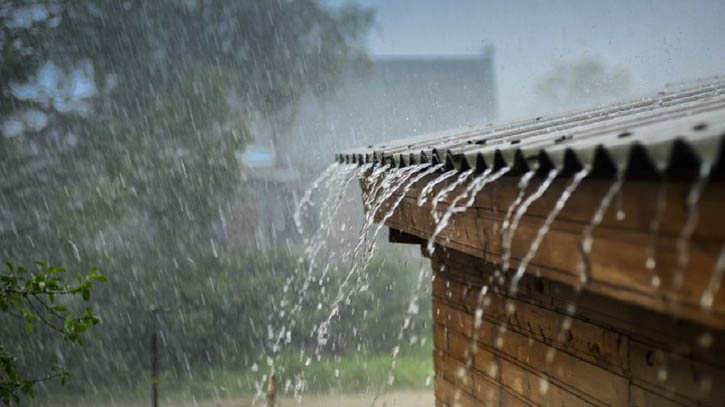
column 493, row 369
column 510, row 308
column 543, row 385
column 391, row 379
column 550, row 355
column 705, row 340
column 662, row 374
column 499, row 342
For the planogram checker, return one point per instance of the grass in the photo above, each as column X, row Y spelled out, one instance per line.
column 348, row 374
column 356, row 373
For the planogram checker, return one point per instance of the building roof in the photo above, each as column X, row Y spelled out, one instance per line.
column 673, row 134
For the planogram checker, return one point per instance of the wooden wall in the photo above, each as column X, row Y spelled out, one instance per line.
column 618, row 259
column 522, row 354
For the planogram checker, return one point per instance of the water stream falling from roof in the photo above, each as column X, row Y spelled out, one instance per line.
column 470, row 192
column 431, row 169
column 331, row 185
column 522, row 185
column 713, row 286
column 683, row 240
column 307, row 196
column 544, row 229
column 587, row 239
column 584, row 265
column 394, row 180
column 508, row 238
column 481, row 299
column 445, row 191
column 385, row 188
column 654, row 231
column 423, row 198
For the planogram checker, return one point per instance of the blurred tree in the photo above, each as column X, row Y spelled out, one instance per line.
column 120, row 121
column 581, row 83
column 135, row 107
column 33, row 297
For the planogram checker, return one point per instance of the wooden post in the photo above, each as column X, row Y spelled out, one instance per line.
column 272, row 391
column 154, row 359
column 154, row 370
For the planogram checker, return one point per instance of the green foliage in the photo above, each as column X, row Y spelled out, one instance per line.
column 350, row 373
column 40, row 297
column 140, row 180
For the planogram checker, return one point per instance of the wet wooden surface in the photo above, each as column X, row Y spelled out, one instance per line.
column 622, row 243
column 603, row 353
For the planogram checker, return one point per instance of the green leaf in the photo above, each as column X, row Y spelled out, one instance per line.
column 28, row 327
column 68, row 323
column 100, row 278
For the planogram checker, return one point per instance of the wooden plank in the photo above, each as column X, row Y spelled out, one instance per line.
column 644, row 398
column 597, row 345
column 537, row 388
column 455, row 371
column 452, row 396
column 573, row 373
column 452, row 319
column 655, row 329
column 667, row 373
column 490, row 392
column 618, row 260
column 479, row 389
column 440, row 337
column 637, row 201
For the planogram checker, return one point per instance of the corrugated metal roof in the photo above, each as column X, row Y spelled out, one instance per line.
column 671, row 134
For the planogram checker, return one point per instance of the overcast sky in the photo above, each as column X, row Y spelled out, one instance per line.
column 656, row 41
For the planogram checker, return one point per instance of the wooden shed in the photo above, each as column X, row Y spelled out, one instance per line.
column 577, row 259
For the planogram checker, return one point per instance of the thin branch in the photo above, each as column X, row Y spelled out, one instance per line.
column 47, row 307
column 43, row 320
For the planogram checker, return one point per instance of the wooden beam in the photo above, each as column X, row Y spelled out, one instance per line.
column 621, row 244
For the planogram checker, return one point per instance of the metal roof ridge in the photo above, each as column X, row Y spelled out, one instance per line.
column 665, row 136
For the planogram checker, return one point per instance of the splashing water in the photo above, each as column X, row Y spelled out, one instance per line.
column 333, row 182
column 523, row 184
column 584, row 265
column 568, row 191
column 413, row 309
column 393, row 181
column 382, row 184
column 683, row 240
column 423, row 198
column 397, row 179
column 406, row 188
column 506, row 244
column 586, row 241
column 708, row 296
column 471, row 191
column 307, row 196
column 443, row 193
column 483, row 292
column 654, row 228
